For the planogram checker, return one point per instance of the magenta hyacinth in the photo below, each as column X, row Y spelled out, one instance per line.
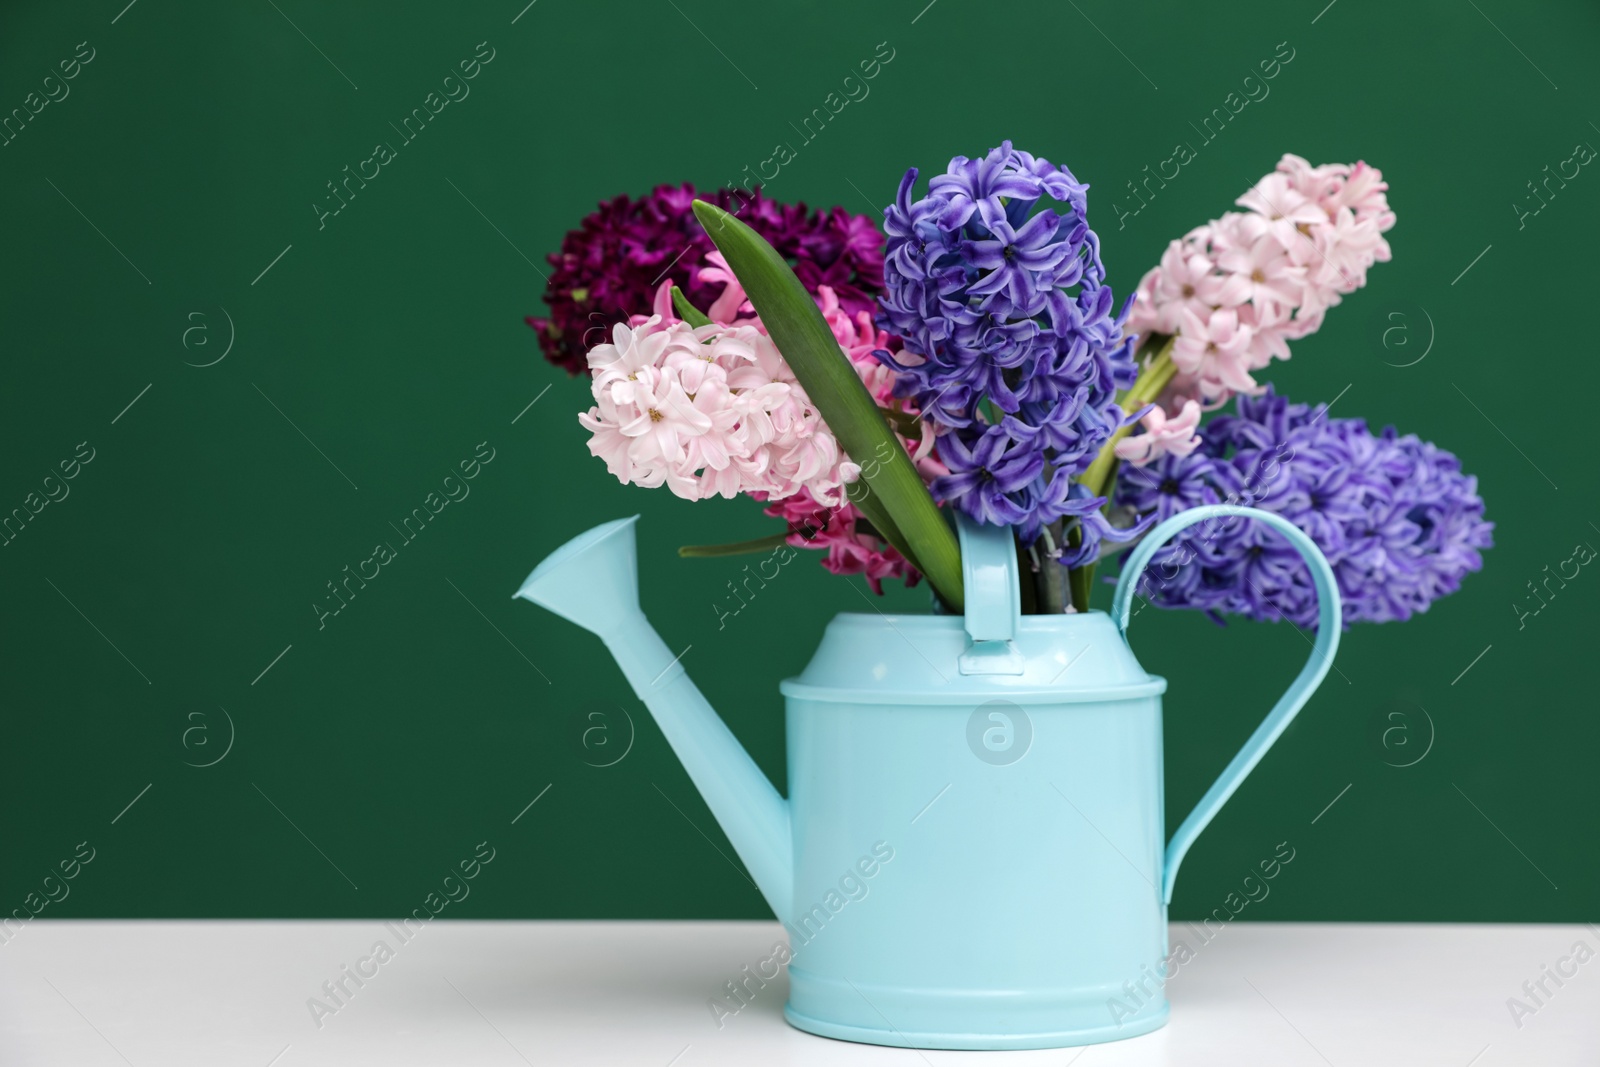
column 610, row 267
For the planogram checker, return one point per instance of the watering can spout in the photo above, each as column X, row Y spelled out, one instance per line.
column 593, row 580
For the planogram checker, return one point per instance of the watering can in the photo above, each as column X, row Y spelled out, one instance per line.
column 972, row 852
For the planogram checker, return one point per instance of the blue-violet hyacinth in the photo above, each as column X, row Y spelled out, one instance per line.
column 1012, row 349
column 1396, row 517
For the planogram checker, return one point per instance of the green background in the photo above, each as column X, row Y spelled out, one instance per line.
column 380, row 350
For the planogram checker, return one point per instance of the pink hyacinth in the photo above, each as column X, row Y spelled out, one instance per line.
column 713, row 411
column 816, row 509
column 1163, row 436
column 848, row 550
column 1236, row 290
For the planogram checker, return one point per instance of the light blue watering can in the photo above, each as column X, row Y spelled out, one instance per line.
column 972, row 853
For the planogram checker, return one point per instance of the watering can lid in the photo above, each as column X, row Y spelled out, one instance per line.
column 892, row 659
column 927, row 658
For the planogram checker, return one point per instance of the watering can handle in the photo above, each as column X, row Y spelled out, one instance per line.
column 1311, row 675
column 992, row 590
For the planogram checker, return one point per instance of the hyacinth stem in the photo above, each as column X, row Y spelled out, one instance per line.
column 1145, row 389
column 898, row 504
column 1081, row 582
column 1103, row 471
column 735, row 548
column 1026, row 562
column 1052, row 595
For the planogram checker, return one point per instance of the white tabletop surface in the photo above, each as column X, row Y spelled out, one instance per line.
column 234, row 994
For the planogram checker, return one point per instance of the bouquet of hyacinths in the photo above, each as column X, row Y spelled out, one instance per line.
column 861, row 385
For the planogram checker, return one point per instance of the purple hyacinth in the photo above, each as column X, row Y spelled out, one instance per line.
column 1012, row 351
column 1395, row 516
column 609, row 268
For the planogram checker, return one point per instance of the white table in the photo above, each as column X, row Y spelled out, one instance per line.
column 234, row 994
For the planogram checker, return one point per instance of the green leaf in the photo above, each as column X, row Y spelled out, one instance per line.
column 736, row 548
column 687, row 311
column 907, row 515
column 872, row 510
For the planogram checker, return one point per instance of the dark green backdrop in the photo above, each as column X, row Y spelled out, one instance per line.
column 381, row 349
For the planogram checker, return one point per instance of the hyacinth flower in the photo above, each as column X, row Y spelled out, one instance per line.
column 833, row 525
column 611, row 266
column 1228, row 297
column 1395, row 516
column 996, row 365
column 1012, row 349
column 708, row 411
column 631, row 255
column 837, row 528
column 704, row 403
column 1231, row 295
column 890, row 492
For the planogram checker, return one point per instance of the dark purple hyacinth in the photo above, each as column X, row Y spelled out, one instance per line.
column 1012, row 349
column 1395, row 516
column 610, row 267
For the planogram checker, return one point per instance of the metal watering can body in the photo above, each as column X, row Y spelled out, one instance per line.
column 972, row 855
